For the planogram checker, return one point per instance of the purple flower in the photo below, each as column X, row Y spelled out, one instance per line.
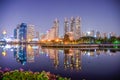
column 1, row 71
column 7, row 69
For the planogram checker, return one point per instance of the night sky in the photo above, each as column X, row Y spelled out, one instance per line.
column 102, row 15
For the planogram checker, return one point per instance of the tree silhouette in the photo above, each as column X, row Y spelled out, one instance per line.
column 66, row 38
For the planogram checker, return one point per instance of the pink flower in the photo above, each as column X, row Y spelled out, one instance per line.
column 21, row 69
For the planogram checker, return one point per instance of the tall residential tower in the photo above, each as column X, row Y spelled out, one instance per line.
column 78, row 28
column 56, row 26
column 66, row 26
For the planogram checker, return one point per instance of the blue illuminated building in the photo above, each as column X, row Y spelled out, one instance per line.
column 23, row 32
column 20, row 33
column 15, row 33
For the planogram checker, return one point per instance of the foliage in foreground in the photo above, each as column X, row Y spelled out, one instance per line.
column 29, row 75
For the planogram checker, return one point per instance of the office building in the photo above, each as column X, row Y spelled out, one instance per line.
column 30, row 32
column 56, row 26
column 66, row 26
column 16, row 33
column 23, row 32
column 78, row 28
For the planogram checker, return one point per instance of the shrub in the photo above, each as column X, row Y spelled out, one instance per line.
column 29, row 75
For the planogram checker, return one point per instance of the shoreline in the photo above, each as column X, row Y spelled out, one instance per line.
column 80, row 45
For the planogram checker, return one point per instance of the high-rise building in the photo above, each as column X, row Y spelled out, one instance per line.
column 37, row 35
column 98, row 35
column 75, row 28
column 104, row 35
column 92, row 33
column 16, row 33
column 112, row 34
column 83, row 34
column 72, row 24
column 43, row 37
column 56, row 26
column 51, row 33
column 30, row 32
column 23, row 32
column 78, row 28
column 66, row 26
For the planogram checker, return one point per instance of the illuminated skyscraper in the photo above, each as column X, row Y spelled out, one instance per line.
column 66, row 26
column 51, row 33
column 72, row 24
column 23, row 32
column 16, row 33
column 104, row 35
column 43, row 37
column 92, row 33
column 78, row 28
column 37, row 35
column 56, row 26
column 98, row 35
column 30, row 32
column 72, row 27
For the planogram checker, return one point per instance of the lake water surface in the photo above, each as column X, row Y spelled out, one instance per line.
column 77, row 64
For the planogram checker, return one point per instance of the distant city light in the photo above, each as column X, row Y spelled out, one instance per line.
column 4, row 32
column 8, row 39
column 4, row 53
column 7, row 46
column 88, row 32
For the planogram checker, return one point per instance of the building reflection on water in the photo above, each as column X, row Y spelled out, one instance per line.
column 53, row 54
column 20, row 54
column 72, row 58
column 30, row 54
column 25, row 53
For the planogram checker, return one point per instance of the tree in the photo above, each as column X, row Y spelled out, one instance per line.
column 66, row 38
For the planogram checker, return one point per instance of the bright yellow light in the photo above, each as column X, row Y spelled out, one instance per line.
column 4, row 53
column 42, row 40
column 4, row 32
column 29, row 40
column 49, row 40
column 57, row 40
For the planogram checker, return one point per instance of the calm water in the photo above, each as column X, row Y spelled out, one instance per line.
column 74, row 63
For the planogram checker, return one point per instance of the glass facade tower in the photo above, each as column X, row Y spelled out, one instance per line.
column 23, row 32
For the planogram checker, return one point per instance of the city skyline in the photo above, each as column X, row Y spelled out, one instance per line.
column 95, row 15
